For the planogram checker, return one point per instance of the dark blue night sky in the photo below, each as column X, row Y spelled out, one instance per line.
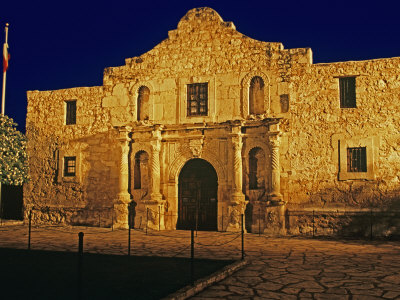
column 65, row 44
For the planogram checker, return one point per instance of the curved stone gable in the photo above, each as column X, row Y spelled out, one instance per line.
column 202, row 17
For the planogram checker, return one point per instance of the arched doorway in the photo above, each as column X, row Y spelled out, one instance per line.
column 198, row 203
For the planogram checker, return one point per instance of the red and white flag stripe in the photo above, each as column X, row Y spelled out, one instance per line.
column 6, row 57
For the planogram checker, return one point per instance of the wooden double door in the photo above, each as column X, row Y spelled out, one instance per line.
column 198, row 203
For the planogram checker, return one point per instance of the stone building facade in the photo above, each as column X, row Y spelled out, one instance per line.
column 209, row 125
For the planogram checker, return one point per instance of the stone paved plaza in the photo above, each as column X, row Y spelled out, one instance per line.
column 278, row 268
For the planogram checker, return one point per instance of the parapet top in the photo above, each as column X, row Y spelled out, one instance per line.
column 201, row 17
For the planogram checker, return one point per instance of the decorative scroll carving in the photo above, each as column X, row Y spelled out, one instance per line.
column 237, row 162
column 196, row 146
column 155, row 164
column 275, row 194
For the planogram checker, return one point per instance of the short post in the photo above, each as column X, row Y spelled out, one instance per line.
column 147, row 218
column 259, row 221
column 370, row 223
column 242, row 237
column 159, row 218
column 112, row 220
column 197, row 217
column 99, row 220
column 80, row 261
column 222, row 219
column 192, row 256
column 313, row 224
column 29, row 229
column 129, row 239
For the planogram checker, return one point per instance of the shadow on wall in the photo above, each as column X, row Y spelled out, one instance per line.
column 84, row 199
column 363, row 213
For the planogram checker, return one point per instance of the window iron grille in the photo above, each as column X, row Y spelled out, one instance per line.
column 357, row 159
column 70, row 118
column 69, row 166
column 347, row 87
column 197, row 98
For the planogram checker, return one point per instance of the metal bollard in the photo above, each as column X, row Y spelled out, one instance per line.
column 147, row 218
column 129, row 240
column 371, row 224
column 80, row 262
column 313, row 224
column 112, row 221
column 242, row 237
column 29, row 230
column 192, row 256
column 159, row 218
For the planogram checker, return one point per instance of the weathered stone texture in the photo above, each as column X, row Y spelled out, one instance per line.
column 297, row 137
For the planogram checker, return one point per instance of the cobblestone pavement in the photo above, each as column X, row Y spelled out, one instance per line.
column 278, row 268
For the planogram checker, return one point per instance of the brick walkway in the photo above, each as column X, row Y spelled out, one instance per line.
column 279, row 268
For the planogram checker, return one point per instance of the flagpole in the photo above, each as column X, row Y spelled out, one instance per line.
column 3, row 95
column 3, row 102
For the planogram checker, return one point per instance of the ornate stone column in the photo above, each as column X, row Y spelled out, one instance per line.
column 237, row 204
column 155, row 194
column 275, row 194
column 155, row 206
column 121, row 212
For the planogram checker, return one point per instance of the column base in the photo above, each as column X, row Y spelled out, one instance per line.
column 121, row 211
column 268, row 217
column 236, row 208
column 154, row 214
column 276, row 198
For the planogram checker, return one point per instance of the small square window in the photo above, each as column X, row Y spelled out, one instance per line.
column 347, row 87
column 357, row 159
column 69, row 166
column 70, row 117
column 197, row 98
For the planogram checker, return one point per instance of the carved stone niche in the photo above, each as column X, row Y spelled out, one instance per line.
column 196, row 146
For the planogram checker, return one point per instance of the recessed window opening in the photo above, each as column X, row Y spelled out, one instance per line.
column 357, row 159
column 197, row 99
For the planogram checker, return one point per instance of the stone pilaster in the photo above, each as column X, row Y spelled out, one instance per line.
column 121, row 212
column 275, row 193
column 155, row 172
column 237, row 204
column 155, row 206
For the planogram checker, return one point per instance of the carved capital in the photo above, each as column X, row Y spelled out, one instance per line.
column 155, row 145
column 275, row 141
column 156, row 133
column 237, row 142
column 123, row 133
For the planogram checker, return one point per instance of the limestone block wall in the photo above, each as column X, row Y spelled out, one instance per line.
column 56, row 198
column 318, row 131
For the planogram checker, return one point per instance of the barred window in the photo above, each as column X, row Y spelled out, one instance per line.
column 70, row 117
column 197, row 99
column 347, row 87
column 69, row 166
column 357, row 159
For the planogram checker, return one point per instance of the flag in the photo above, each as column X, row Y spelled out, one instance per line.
column 6, row 57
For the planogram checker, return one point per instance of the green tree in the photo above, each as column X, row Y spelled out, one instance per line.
column 13, row 157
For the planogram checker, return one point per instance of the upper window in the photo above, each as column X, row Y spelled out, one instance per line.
column 143, row 103
column 69, row 166
column 256, row 96
column 357, row 159
column 70, row 117
column 197, row 99
column 347, row 87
